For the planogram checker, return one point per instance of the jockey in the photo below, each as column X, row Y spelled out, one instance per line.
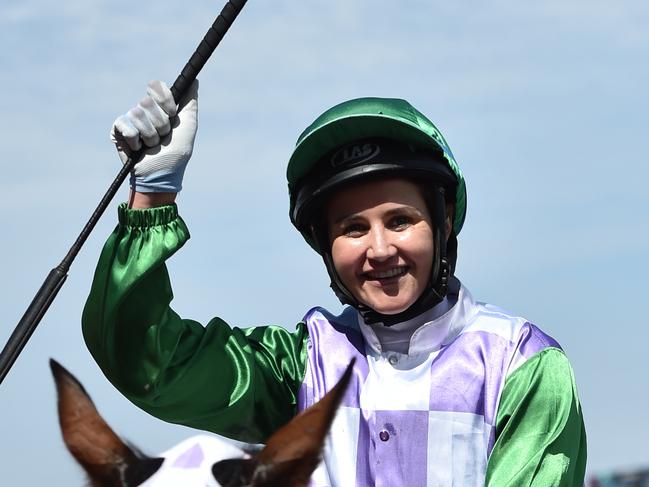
column 446, row 390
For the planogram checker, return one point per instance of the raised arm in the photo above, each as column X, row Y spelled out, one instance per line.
column 242, row 383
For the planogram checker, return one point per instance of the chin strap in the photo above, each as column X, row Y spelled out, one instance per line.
column 440, row 274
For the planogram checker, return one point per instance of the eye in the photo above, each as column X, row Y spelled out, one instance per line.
column 353, row 230
column 400, row 222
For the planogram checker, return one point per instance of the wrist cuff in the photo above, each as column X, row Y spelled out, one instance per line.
column 158, row 182
column 147, row 217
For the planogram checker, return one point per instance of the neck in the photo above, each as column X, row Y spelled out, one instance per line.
column 396, row 337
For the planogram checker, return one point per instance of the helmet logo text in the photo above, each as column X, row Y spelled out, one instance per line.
column 354, row 153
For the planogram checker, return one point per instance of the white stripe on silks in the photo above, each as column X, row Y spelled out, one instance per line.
column 458, row 440
column 388, row 388
column 340, row 464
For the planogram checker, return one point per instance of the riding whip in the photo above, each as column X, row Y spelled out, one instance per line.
column 57, row 276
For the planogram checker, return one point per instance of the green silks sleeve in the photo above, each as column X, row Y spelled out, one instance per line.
column 241, row 383
column 540, row 434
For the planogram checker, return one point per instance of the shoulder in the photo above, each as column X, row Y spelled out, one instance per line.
column 545, row 379
column 549, row 364
column 318, row 316
column 514, row 332
column 331, row 331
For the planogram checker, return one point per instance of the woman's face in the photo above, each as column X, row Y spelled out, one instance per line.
column 381, row 242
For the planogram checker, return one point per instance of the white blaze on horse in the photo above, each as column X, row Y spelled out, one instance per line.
column 288, row 459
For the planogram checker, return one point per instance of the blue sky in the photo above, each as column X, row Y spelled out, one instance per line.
column 543, row 103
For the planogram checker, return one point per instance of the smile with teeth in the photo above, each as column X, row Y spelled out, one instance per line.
column 394, row 272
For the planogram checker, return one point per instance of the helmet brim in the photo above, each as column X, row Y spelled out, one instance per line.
column 312, row 146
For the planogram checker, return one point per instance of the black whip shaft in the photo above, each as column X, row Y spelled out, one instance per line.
column 57, row 276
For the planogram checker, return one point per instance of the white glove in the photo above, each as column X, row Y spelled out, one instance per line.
column 168, row 151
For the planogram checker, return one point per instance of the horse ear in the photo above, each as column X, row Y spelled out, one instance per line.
column 293, row 452
column 103, row 455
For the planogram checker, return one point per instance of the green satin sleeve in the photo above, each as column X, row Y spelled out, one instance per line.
column 241, row 383
column 540, row 434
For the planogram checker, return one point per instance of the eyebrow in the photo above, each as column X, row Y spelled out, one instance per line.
column 388, row 213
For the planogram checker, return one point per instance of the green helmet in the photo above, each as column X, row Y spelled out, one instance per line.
column 375, row 137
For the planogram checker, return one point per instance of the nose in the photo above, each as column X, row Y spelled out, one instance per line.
column 380, row 246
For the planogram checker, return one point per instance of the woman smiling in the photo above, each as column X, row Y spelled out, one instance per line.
column 445, row 390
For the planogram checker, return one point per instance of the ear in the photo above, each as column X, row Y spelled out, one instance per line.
column 293, row 452
column 104, row 456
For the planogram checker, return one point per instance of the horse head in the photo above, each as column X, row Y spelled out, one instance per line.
column 289, row 458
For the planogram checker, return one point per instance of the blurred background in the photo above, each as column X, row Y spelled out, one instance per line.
column 544, row 104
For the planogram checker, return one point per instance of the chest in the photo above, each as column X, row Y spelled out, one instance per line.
column 426, row 419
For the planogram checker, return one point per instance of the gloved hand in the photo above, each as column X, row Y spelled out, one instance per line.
column 168, row 151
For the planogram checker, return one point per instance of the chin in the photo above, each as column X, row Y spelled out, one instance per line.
column 389, row 301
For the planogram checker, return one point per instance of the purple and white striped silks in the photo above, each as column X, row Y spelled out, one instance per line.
column 422, row 418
